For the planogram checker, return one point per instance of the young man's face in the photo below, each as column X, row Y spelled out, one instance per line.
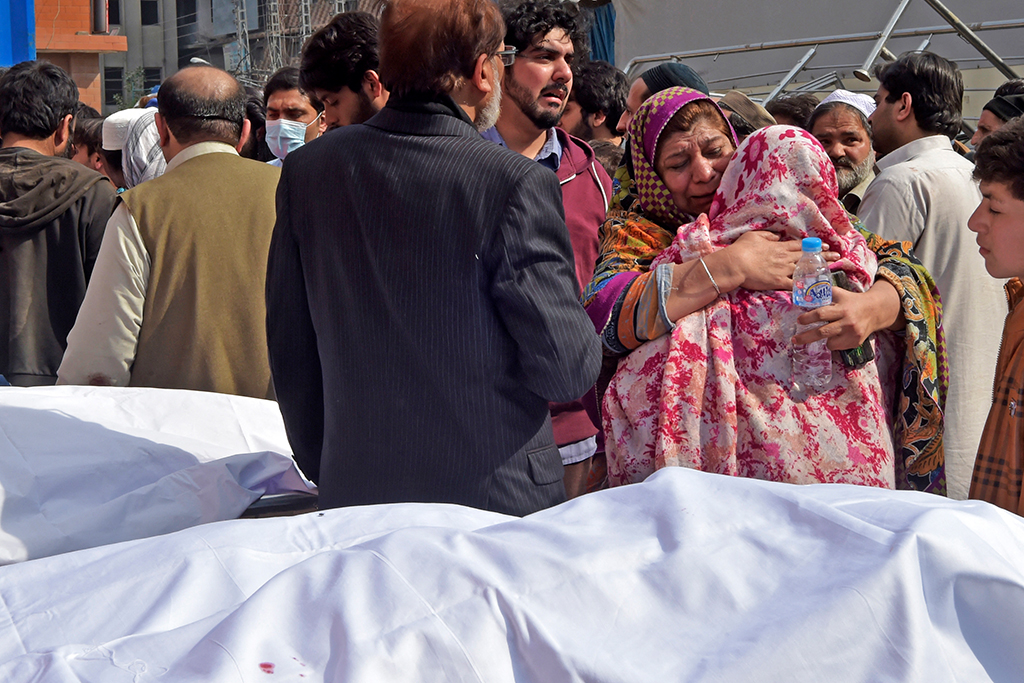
column 883, row 123
column 541, row 78
column 999, row 223
column 293, row 105
column 344, row 107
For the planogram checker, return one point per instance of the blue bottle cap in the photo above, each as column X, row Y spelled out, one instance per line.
column 811, row 244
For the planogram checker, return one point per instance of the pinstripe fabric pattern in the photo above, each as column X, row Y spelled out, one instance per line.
column 421, row 289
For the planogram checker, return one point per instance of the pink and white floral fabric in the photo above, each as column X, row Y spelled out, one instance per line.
column 715, row 393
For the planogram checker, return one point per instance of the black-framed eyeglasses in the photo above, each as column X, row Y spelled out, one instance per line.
column 508, row 55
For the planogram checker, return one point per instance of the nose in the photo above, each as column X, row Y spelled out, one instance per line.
column 623, row 125
column 975, row 223
column 976, row 138
column 701, row 169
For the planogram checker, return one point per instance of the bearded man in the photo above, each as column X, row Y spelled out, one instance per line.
column 421, row 305
column 548, row 34
column 840, row 123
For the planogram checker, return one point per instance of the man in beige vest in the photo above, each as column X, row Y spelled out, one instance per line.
column 176, row 299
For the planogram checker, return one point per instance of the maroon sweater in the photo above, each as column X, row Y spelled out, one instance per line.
column 586, row 190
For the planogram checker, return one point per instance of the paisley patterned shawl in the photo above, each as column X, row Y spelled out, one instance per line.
column 715, row 393
column 924, row 376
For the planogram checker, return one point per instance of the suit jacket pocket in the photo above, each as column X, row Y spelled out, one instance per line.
column 545, row 465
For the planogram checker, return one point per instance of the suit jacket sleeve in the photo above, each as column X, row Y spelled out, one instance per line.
column 292, row 344
column 535, row 290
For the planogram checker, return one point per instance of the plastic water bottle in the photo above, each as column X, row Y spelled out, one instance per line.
column 812, row 287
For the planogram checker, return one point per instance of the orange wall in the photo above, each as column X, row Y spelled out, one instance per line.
column 63, row 37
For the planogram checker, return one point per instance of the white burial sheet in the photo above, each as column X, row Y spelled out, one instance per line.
column 686, row 577
column 86, row 466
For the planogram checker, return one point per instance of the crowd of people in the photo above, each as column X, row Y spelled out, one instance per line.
column 474, row 266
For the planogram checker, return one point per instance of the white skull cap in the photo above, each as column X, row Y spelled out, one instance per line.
column 115, row 128
column 864, row 103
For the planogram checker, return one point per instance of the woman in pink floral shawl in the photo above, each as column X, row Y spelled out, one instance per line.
column 714, row 393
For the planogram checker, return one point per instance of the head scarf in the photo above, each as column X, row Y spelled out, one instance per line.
column 671, row 74
column 142, row 158
column 644, row 131
column 781, row 180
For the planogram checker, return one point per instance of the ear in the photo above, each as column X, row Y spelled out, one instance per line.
column 163, row 131
column 483, row 71
column 94, row 161
column 597, row 120
column 372, row 85
column 244, row 137
column 905, row 107
column 322, row 124
column 62, row 136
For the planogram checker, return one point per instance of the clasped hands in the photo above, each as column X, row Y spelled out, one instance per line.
column 852, row 317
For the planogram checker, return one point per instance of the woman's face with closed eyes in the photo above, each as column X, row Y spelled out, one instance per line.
column 691, row 164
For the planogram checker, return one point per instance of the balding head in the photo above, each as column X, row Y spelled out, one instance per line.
column 201, row 104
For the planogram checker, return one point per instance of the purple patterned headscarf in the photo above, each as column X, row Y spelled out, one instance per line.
column 645, row 129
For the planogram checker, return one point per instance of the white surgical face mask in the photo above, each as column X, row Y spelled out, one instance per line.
column 284, row 136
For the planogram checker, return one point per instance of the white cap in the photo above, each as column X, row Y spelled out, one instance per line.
column 115, row 128
column 864, row 103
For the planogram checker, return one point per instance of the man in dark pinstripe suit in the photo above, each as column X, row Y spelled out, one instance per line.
column 421, row 298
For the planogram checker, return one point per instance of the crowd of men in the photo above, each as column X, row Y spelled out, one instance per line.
column 391, row 240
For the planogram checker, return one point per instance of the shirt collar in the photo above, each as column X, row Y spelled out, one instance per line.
column 913, row 149
column 549, row 156
column 199, row 149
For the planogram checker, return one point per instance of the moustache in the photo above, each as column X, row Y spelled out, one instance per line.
column 843, row 162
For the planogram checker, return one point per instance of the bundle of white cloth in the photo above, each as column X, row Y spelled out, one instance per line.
column 87, row 466
column 686, row 577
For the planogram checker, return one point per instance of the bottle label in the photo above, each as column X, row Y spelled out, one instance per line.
column 812, row 294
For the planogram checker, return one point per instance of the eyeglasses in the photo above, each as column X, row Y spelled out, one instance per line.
column 508, row 55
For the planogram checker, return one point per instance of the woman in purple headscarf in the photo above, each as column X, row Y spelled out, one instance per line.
column 668, row 314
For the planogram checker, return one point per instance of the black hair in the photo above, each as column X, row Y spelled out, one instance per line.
column 936, row 89
column 797, row 106
column 1014, row 86
column 823, row 109
column 194, row 117
column 340, row 53
column 256, row 146
column 1000, row 157
column 287, row 78
column 88, row 134
column 598, row 86
column 525, row 19
column 34, row 98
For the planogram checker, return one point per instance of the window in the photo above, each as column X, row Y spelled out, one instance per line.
column 113, row 85
column 114, row 12
column 151, row 77
column 150, row 12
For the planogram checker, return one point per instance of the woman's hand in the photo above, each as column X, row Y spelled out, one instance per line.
column 766, row 263
column 853, row 317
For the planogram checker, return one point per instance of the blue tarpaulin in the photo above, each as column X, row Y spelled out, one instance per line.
column 17, row 31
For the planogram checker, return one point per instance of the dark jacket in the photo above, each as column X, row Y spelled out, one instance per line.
column 421, row 312
column 586, row 189
column 52, row 215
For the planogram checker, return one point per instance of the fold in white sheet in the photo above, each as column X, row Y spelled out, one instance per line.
column 86, row 466
column 686, row 577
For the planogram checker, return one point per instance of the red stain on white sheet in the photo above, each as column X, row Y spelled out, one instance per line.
column 267, row 667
